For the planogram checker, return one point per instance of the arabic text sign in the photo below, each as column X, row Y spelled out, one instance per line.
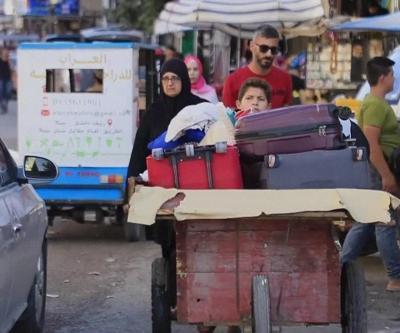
column 76, row 128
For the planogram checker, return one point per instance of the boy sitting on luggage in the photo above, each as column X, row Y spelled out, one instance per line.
column 254, row 96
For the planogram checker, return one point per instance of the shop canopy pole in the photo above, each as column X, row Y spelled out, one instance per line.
column 238, row 47
column 196, row 41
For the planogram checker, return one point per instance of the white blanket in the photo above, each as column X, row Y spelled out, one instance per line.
column 199, row 116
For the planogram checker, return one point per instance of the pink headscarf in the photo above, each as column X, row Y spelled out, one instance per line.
column 200, row 86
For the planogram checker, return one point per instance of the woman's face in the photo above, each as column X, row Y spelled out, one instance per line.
column 193, row 71
column 172, row 84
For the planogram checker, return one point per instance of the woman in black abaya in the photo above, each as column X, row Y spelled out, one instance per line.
column 175, row 95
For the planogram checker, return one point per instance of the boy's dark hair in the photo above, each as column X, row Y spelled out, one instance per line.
column 266, row 31
column 255, row 83
column 376, row 67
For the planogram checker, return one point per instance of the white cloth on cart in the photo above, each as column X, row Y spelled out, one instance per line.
column 200, row 116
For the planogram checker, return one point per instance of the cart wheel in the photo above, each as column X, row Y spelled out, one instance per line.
column 261, row 306
column 221, row 147
column 157, row 153
column 160, row 305
column 353, row 301
column 119, row 215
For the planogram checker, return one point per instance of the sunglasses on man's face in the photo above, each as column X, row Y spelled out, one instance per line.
column 265, row 48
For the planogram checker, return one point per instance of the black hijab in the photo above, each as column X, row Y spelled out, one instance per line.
column 156, row 120
column 172, row 105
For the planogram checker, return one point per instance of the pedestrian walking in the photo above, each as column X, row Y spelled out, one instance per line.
column 174, row 96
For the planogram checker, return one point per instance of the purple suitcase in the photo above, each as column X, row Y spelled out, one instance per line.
column 291, row 129
column 341, row 168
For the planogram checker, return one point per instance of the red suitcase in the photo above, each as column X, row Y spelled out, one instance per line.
column 291, row 129
column 191, row 167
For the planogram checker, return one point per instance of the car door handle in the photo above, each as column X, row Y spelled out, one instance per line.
column 17, row 227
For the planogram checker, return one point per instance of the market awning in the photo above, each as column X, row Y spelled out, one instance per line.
column 388, row 23
column 240, row 18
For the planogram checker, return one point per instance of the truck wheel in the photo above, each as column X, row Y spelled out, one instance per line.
column 353, row 299
column 32, row 319
column 160, row 304
column 261, row 305
column 120, row 215
column 50, row 220
column 134, row 232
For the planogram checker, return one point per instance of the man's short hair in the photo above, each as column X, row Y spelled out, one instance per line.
column 266, row 31
column 255, row 83
column 376, row 67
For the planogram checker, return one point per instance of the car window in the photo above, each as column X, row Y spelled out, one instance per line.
column 6, row 171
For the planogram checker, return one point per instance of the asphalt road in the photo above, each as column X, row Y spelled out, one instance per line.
column 98, row 283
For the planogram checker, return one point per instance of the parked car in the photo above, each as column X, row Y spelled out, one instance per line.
column 23, row 245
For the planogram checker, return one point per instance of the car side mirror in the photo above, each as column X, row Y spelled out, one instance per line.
column 35, row 167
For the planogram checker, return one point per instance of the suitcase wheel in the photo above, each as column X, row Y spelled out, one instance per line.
column 221, row 147
column 189, row 150
column 157, row 153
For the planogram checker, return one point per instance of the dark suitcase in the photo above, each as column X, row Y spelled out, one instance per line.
column 196, row 167
column 291, row 129
column 342, row 168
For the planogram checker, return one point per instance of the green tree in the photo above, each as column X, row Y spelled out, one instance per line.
column 138, row 14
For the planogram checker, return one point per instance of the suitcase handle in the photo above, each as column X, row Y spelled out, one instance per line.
column 174, row 162
column 189, row 150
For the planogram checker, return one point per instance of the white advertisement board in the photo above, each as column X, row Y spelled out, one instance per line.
column 83, row 127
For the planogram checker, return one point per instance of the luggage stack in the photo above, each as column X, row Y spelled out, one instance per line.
column 300, row 147
column 296, row 147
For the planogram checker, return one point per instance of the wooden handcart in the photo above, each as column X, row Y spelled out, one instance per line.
column 256, row 273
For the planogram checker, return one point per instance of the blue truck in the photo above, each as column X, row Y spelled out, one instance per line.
column 79, row 105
